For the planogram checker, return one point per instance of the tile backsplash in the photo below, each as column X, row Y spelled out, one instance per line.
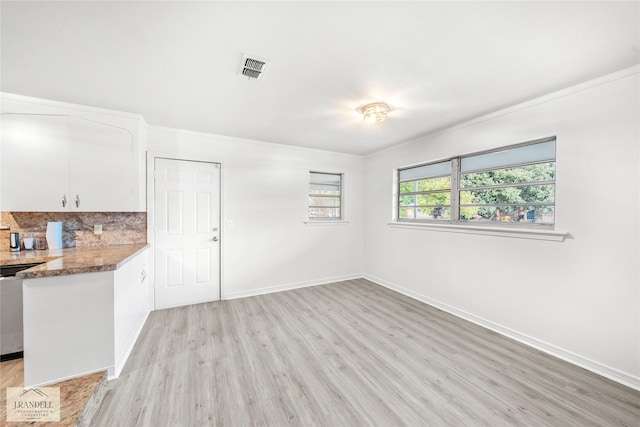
column 118, row 228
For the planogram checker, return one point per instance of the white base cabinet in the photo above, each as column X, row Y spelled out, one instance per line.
column 131, row 306
column 83, row 323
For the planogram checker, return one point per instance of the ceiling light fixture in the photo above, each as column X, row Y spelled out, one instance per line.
column 375, row 112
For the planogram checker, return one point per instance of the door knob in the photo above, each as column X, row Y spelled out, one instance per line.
column 215, row 238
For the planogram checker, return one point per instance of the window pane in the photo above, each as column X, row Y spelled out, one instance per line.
column 315, row 212
column 324, row 189
column 434, row 199
column 406, row 213
column 530, row 173
column 519, row 195
column 408, row 187
column 442, row 183
column 407, row 200
column 324, row 201
column 530, row 214
column 325, row 178
column 425, row 171
column 440, row 213
column 513, row 156
column 324, row 193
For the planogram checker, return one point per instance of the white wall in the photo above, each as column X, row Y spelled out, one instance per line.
column 580, row 298
column 265, row 194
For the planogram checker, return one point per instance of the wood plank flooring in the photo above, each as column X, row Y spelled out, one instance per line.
column 347, row 354
column 74, row 395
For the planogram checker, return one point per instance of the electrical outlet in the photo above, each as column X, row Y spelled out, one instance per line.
column 97, row 229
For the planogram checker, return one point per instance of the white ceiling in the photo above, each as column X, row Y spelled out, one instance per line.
column 435, row 63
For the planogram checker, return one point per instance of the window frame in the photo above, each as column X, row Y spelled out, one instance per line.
column 340, row 198
column 456, row 174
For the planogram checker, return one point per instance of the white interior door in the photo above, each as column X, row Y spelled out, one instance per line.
column 186, row 231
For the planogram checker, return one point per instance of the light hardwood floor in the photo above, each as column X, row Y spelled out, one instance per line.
column 347, row 354
column 74, row 395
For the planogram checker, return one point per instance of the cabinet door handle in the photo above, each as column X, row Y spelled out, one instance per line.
column 77, row 201
column 64, row 200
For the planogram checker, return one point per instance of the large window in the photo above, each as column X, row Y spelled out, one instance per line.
column 325, row 196
column 514, row 185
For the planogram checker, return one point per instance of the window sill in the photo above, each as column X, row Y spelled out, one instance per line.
column 329, row 222
column 521, row 233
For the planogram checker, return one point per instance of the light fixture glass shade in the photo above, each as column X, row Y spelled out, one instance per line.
column 375, row 112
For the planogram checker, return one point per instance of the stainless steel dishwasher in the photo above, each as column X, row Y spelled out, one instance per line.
column 11, row 338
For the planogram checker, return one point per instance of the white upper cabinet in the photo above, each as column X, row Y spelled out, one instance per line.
column 58, row 158
column 101, row 167
column 34, row 162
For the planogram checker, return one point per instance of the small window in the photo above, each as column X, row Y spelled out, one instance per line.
column 325, row 196
column 514, row 185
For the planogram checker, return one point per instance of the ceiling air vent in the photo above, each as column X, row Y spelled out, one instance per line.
column 253, row 67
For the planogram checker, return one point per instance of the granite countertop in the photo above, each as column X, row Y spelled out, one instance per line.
column 61, row 262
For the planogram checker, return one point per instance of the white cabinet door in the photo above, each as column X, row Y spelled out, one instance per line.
column 101, row 167
column 35, row 166
column 131, row 295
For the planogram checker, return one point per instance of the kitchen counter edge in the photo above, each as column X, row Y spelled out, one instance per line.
column 77, row 261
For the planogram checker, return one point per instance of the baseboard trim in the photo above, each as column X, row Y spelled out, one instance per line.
column 568, row 356
column 12, row 356
column 290, row 286
column 68, row 377
column 119, row 364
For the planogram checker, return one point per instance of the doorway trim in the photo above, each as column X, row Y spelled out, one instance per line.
column 151, row 157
